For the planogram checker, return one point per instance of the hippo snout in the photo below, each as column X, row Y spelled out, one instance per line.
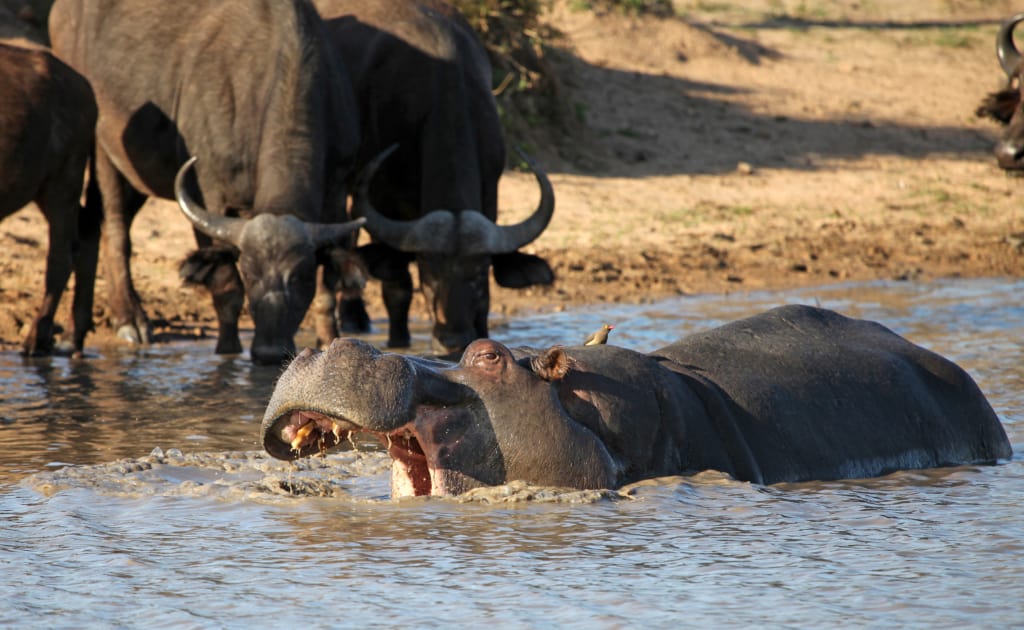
column 350, row 380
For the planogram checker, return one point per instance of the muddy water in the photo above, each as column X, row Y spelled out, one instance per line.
column 132, row 494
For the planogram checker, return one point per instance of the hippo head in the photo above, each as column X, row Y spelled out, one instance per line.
column 447, row 427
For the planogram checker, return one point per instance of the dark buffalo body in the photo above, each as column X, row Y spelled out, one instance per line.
column 47, row 118
column 253, row 90
column 423, row 82
column 794, row 394
column 1004, row 106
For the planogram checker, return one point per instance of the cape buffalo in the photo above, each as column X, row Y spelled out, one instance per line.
column 47, row 121
column 422, row 80
column 796, row 393
column 1005, row 106
column 252, row 90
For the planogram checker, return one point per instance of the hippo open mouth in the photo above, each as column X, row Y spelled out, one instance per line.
column 423, row 418
column 302, row 433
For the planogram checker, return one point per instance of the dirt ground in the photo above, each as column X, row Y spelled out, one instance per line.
column 737, row 146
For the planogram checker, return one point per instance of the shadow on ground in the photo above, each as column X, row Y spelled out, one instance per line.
column 648, row 124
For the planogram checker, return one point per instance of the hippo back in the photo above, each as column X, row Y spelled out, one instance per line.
column 817, row 395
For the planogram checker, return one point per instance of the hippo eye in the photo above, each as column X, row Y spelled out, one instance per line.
column 487, row 357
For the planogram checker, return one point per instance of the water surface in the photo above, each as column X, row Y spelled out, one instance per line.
column 195, row 535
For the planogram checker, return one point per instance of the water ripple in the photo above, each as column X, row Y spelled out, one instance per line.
column 184, row 546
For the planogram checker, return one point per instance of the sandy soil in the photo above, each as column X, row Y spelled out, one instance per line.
column 737, row 146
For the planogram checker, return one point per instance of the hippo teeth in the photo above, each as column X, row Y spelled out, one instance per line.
column 300, row 435
column 305, row 428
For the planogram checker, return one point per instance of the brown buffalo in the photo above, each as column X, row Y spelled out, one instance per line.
column 252, row 89
column 422, row 80
column 47, row 117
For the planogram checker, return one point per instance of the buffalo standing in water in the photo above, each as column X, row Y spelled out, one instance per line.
column 423, row 82
column 47, row 121
column 794, row 394
column 253, row 90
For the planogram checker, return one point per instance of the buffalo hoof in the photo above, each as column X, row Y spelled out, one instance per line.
column 40, row 338
column 399, row 341
column 358, row 327
column 135, row 335
column 228, row 346
column 353, row 316
column 35, row 351
column 65, row 348
column 33, row 348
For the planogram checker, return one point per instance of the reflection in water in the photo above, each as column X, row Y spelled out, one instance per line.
column 206, row 538
column 95, row 410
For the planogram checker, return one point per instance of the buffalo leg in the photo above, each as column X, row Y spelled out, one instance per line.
column 74, row 246
column 85, row 261
column 215, row 269
column 63, row 221
column 352, row 314
column 397, row 300
column 228, row 298
column 120, row 203
column 323, row 309
column 339, row 300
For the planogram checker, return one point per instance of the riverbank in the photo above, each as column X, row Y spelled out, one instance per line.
column 726, row 149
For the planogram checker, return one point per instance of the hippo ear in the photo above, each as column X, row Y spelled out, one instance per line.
column 552, row 364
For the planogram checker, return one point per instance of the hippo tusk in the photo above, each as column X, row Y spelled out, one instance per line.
column 1006, row 49
column 228, row 229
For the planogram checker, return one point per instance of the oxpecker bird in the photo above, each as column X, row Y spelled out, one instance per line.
column 599, row 337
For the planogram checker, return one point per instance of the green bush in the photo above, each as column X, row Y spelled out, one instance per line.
column 516, row 39
column 661, row 8
column 509, row 30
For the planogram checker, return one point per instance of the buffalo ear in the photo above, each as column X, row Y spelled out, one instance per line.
column 552, row 364
column 518, row 270
column 999, row 106
column 200, row 266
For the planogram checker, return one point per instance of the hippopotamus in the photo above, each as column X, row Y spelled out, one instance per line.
column 793, row 394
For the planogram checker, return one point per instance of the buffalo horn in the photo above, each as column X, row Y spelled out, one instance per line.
column 324, row 234
column 228, row 229
column 435, row 232
column 480, row 236
column 1006, row 50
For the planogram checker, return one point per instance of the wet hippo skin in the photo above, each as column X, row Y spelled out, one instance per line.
column 793, row 394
